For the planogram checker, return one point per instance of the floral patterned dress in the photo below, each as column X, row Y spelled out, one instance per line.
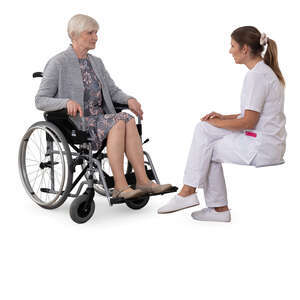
column 97, row 122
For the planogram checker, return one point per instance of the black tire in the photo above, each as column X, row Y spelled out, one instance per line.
column 82, row 209
column 138, row 203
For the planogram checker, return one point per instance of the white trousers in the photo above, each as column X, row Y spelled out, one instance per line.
column 210, row 147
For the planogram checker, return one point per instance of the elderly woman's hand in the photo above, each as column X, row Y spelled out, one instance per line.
column 73, row 107
column 135, row 107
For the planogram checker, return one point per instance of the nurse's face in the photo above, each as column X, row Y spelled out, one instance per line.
column 239, row 54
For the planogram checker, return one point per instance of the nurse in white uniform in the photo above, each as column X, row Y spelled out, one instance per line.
column 254, row 137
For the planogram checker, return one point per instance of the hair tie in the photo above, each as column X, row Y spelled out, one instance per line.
column 263, row 39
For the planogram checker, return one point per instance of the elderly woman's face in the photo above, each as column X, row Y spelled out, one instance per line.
column 87, row 39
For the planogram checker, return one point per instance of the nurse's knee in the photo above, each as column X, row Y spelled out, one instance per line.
column 201, row 126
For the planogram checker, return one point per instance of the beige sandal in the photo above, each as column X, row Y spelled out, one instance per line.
column 156, row 189
column 127, row 195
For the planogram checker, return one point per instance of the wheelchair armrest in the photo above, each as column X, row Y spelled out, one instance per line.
column 62, row 120
column 57, row 114
column 119, row 107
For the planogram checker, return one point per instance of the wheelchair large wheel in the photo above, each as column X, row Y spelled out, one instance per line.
column 45, row 165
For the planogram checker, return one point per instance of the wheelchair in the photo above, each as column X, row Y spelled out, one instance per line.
column 50, row 153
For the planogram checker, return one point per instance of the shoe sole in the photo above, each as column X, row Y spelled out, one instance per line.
column 150, row 192
column 169, row 212
column 222, row 221
column 218, row 221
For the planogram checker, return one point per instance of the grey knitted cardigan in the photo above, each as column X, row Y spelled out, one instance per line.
column 62, row 80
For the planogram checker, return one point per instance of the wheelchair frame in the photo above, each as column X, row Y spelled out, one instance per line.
column 60, row 131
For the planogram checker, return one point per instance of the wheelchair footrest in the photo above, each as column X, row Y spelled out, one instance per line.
column 117, row 201
column 122, row 200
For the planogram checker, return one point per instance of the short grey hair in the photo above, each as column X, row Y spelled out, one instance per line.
column 80, row 23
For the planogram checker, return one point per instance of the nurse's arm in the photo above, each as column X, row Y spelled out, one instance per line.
column 249, row 121
column 230, row 117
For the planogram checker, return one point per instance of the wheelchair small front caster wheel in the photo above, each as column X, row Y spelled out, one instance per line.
column 82, row 209
column 137, row 203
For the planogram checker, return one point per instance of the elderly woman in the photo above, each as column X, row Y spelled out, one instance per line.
column 78, row 81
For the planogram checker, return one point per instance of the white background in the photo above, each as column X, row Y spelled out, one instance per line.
column 173, row 57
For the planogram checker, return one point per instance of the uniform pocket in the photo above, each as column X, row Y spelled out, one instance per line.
column 246, row 145
column 237, row 148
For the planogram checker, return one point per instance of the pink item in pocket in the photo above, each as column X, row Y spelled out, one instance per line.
column 250, row 133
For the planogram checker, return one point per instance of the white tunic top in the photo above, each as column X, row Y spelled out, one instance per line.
column 263, row 92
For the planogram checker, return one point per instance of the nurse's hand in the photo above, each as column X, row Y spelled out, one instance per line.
column 135, row 107
column 73, row 107
column 212, row 115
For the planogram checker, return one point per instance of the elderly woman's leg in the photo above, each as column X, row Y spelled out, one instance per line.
column 115, row 152
column 134, row 152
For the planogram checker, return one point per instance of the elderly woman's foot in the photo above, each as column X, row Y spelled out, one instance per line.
column 153, row 188
column 127, row 193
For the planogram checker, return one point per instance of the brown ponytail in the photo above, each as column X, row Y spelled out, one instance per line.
column 271, row 60
column 249, row 35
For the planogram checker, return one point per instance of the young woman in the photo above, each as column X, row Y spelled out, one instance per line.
column 256, row 136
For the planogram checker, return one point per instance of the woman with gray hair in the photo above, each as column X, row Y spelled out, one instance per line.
column 79, row 82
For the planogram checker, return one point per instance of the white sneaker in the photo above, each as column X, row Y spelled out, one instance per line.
column 178, row 202
column 210, row 214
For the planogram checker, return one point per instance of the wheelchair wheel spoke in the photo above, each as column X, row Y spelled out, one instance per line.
column 38, row 148
column 57, row 172
column 57, row 181
column 36, row 177
column 28, row 166
column 33, row 171
column 41, row 143
column 38, row 174
column 39, row 188
column 58, row 178
column 32, row 153
column 33, row 160
column 50, row 179
column 46, row 186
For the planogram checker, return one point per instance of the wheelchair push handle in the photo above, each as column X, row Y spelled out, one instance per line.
column 37, row 74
